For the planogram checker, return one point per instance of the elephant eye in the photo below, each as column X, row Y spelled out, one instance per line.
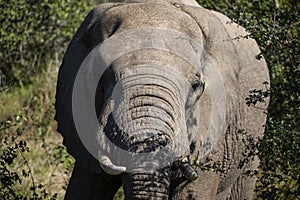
column 197, row 83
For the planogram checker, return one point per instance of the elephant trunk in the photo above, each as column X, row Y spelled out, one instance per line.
column 148, row 118
column 147, row 186
column 148, row 107
column 151, row 110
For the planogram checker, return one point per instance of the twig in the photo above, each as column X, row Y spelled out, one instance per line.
column 27, row 164
column 259, row 108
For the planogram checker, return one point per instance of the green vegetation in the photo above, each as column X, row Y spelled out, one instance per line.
column 32, row 32
column 34, row 164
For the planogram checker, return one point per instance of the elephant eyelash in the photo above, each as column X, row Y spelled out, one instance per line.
column 197, row 82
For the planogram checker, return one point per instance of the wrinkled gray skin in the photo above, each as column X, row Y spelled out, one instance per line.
column 240, row 71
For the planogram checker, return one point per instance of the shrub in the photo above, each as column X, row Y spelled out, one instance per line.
column 32, row 32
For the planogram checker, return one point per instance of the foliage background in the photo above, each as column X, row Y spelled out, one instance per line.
column 33, row 38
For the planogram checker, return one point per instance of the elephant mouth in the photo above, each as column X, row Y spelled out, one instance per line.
column 150, row 144
column 153, row 141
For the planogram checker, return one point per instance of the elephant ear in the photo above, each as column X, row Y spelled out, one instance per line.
column 252, row 74
column 231, row 70
column 79, row 47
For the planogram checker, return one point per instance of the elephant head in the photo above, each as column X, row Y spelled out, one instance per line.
column 130, row 87
column 143, row 93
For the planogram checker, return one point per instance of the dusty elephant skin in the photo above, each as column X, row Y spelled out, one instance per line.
column 150, row 99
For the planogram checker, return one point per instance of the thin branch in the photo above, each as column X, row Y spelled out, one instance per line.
column 27, row 164
column 264, row 109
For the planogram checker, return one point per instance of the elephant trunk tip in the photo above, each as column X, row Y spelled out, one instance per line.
column 147, row 185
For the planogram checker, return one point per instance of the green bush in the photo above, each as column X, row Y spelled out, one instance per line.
column 32, row 166
column 32, row 32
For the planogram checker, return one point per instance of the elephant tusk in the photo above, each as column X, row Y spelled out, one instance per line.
column 109, row 167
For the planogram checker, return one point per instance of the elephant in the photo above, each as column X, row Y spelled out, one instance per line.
column 165, row 81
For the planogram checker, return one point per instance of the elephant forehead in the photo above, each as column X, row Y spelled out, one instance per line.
column 175, row 64
column 141, row 15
